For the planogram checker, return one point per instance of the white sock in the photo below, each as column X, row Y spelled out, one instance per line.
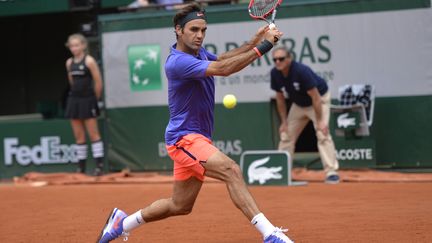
column 98, row 149
column 132, row 221
column 263, row 225
column 81, row 151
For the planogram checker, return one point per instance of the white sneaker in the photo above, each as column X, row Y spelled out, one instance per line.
column 278, row 236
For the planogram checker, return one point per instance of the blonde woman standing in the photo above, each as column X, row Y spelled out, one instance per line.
column 82, row 105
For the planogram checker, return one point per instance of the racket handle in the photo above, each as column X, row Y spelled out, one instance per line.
column 272, row 26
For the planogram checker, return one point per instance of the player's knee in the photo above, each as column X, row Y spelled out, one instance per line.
column 237, row 173
column 183, row 209
column 233, row 171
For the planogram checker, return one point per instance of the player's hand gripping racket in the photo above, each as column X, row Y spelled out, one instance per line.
column 261, row 9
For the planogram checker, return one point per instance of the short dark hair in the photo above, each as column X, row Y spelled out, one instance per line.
column 283, row 48
column 192, row 7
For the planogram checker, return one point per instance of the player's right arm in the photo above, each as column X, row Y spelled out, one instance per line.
column 233, row 64
column 246, row 46
column 68, row 69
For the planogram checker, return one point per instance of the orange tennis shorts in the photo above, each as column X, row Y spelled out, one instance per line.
column 188, row 154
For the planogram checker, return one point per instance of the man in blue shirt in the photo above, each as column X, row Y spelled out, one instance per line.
column 190, row 70
column 311, row 101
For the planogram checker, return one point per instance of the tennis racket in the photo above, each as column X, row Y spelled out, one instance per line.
column 261, row 9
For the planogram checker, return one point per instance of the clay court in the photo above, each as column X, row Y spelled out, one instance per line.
column 347, row 212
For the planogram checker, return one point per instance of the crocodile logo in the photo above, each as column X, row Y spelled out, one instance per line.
column 344, row 121
column 263, row 174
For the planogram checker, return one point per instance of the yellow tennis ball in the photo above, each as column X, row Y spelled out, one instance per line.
column 229, row 101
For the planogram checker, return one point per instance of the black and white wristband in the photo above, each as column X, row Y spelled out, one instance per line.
column 263, row 48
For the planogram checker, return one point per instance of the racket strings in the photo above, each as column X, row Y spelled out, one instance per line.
column 261, row 8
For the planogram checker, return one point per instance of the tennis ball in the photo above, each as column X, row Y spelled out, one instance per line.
column 229, row 101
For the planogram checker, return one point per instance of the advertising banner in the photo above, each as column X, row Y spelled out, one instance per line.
column 366, row 48
column 42, row 146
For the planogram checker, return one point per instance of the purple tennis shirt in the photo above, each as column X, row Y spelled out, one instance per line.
column 190, row 94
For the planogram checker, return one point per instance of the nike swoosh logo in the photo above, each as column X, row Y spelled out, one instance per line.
column 116, row 223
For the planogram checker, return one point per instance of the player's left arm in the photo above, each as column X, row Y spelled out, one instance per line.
column 317, row 106
column 96, row 75
column 246, row 46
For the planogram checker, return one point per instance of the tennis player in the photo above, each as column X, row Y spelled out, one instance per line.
column 190, row 70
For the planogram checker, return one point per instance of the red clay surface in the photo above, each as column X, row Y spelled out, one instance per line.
column 348, row 212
